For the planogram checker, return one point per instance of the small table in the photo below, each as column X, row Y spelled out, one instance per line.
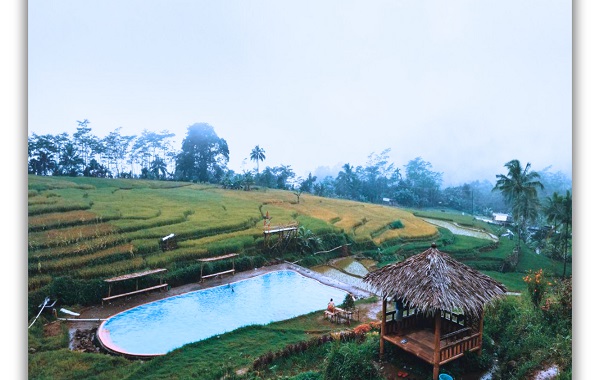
column 343, row 314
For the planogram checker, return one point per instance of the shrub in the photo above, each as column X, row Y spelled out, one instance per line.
column 396, row 224
column 537, row 285
column 348, row 302
column 351, row 361
column 68, row 291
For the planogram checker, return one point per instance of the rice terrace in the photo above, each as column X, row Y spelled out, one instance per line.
column 97, row 247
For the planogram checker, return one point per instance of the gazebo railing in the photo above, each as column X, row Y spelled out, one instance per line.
column 393, row 326
column 458, row 348
column 453, row 317
column 452, row 324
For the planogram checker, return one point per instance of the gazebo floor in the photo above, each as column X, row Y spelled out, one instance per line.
column 421, row 342
column 418, row 342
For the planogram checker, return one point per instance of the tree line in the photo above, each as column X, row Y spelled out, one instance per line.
column 534, row 198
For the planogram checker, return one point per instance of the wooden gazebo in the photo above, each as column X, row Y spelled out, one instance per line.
column 439, row 306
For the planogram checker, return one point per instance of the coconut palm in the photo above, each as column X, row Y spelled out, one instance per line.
column 559, row 212
column 257, row 154
column 519, row 189
column 158, row 168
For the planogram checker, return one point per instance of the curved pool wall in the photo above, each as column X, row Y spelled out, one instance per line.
column 161, row 326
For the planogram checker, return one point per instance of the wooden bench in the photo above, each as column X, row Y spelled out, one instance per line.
column 343, row 315
column 455, row 334
column 217, row 274
column 231, row 256
column 330, row 315
column 135, row 292
column 339, row 315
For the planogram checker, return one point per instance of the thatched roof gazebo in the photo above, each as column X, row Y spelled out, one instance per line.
column 439, row 306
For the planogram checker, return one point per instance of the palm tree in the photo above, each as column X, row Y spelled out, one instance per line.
column 257, row 154
column 158, row 168
column 307, row 241
column 519, row 189
column 559, row 212
column 70, row 162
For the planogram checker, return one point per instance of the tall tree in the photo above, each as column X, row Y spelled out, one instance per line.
column 422, row 184
column 519, row 189
column 376, row 176
column 116, row 149
column 257, row 154
column 306, row 185
column 95, row 169
column 85, row 141
column 347, row 184
column 284, row 175
column 203, row 156
column 42, row 151
column 268, row 178
column 158, row 168
column 70, row 164
column 559, row 212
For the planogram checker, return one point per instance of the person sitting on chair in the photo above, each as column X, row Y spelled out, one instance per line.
column 331, row 306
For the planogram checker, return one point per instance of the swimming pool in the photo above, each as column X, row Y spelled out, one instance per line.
column 161, row 326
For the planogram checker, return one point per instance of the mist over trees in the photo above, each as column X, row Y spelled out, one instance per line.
column 204, row 157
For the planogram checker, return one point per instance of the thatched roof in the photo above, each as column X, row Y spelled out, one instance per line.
column 433, row 280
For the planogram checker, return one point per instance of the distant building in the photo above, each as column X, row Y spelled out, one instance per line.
column 388, row 201
column 503, row 219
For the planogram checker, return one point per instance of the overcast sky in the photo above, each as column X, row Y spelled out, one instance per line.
column 465, row 85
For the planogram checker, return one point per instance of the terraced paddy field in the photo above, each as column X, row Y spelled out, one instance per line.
column 91, row 229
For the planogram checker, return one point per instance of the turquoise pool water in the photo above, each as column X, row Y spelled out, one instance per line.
column 161, row 326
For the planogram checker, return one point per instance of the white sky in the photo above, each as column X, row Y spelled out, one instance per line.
column 466, row 85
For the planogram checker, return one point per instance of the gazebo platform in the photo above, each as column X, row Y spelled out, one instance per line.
column 421, row 343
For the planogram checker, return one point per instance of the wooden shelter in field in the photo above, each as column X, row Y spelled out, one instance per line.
column 439, row 306
column 168, row 242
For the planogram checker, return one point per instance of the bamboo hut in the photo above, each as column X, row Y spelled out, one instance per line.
column 439, row 306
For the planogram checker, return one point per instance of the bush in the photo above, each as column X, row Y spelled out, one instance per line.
column 352, row 361
column 537, row 285
column 68, row 291
column 541, row 340
column 348, row 302
column 396, row 224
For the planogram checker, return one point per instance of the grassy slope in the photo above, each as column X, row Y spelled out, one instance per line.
column 96, row 228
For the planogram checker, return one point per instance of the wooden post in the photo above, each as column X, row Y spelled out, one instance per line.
column 436, row 350
column 480, row 339
column 382, row 333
